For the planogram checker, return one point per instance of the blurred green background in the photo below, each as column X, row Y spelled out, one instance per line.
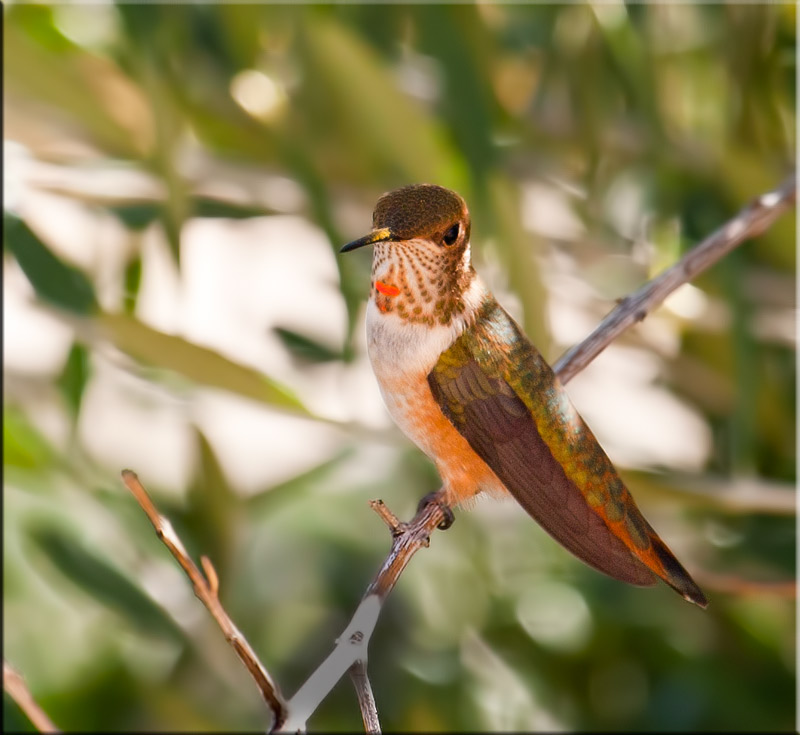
column 178, row 180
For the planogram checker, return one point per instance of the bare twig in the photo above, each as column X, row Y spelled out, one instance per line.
column 408, row 538
column 366, row 701
column 389, row 518
column 753, row 220
column 15, row 685
column 206, row 588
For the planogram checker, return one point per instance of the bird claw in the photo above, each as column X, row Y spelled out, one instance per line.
column 437, row 499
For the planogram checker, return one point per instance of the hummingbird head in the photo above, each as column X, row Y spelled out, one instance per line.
column 421, row 264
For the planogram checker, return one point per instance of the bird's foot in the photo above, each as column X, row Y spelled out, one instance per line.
column 437, row 498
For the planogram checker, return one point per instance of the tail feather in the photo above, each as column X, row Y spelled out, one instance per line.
column 673, row 573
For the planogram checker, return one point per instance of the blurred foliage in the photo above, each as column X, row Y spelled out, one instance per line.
column 650, row 125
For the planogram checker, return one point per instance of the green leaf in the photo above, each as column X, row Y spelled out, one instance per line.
column 55, row 282
column 208, row 207
column 213, row 504
column 23, row 445
column 198, row 364
column 137, row 215
column 133, row 279
column 306, row 348
column 456, row 36
column 74, row 376
column 517, row 254
column 103, row 582
column 363, row 110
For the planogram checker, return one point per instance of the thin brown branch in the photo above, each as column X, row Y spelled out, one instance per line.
column 366, row 700
column 407, row 540
column 206, row 588
column 753, row 220
column 389, row 518
column 18, row 690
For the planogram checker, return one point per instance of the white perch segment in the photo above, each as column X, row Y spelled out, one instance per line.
column 350, row 647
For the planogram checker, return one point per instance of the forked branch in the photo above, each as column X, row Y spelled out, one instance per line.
column 351, row 647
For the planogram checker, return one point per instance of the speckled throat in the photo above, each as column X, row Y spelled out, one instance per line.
column 418, row 285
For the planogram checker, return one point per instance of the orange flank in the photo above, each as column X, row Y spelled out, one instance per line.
column 463, row 472
column 386, row 289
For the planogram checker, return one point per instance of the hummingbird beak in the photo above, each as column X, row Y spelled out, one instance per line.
column 382, row 235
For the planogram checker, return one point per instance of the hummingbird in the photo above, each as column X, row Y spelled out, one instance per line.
column 464, row 383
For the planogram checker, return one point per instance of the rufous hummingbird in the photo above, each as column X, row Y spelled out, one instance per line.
column 465, row 384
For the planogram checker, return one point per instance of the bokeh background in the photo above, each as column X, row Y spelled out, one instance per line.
column 178, row 180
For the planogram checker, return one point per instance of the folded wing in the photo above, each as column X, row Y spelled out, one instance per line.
column 514, row 413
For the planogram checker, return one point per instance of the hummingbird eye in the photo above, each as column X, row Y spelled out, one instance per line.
column 451, row 235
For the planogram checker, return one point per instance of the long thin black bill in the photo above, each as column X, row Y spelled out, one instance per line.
column 382, row 235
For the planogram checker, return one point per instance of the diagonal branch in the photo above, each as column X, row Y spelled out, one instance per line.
column 408, row 538
column 15, row 685
column 206, row 587
column 753, row 220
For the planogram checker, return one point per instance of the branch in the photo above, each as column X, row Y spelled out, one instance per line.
column 206, row 588
column 753, row 220
column 15, row 685
column 408, row 538
column 366, row 701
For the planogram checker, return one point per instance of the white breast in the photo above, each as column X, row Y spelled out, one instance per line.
column 398, row 348
column 403, row 354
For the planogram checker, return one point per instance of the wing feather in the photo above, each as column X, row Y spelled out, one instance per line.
column 501, row 430
column 501, row 395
